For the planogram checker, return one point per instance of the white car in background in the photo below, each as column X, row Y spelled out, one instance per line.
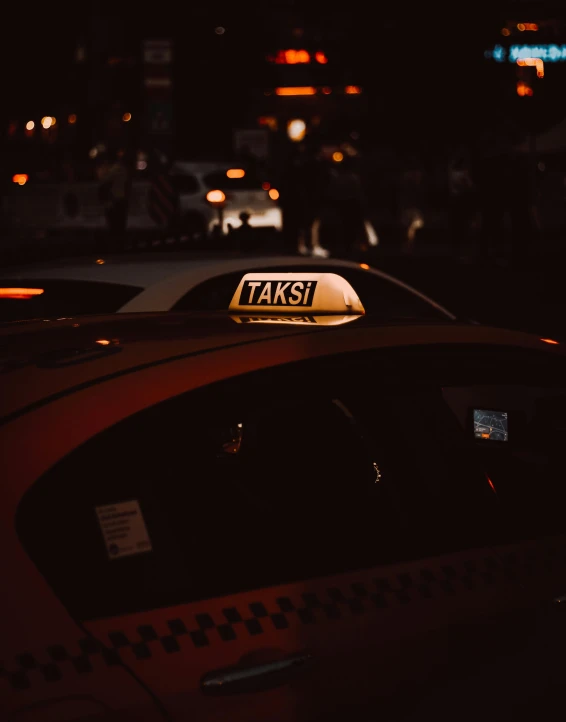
column 200, row 185
column 183, row 282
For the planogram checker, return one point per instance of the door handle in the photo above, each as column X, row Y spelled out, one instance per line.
column 254, row 677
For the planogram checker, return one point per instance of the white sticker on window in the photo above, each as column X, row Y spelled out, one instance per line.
column 123, row 529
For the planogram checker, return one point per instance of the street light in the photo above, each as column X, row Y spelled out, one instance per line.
column 217, row 199
column 296, row 129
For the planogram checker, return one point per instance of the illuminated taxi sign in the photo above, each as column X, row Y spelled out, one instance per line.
column 295, row 293
column 299, row 320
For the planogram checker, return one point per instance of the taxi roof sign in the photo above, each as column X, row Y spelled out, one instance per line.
column 280, row 294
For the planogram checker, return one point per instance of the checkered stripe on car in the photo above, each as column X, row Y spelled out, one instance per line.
column 369, row 595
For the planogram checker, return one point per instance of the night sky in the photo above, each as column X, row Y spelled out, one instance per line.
column 422, row 67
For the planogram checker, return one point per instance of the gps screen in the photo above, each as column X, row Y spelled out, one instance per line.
column 490, row 425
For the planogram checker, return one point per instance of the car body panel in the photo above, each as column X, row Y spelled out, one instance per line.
column 46, row 358
column 166, row 282
column 378, row 623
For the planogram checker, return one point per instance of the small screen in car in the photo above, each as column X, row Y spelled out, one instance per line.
column 489, row 424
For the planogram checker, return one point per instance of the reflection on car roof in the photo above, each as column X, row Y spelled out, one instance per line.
column 40, row 359
column 165, row 278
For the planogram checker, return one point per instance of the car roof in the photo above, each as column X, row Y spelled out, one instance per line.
column 167, row 277
column 142, row 269
column 146, row 269
column 43, row 359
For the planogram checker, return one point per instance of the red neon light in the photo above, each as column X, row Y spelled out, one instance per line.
column 292, row 56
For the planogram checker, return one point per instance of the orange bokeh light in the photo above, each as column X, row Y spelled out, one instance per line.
column 533, row 62
column 523, row 89
column 215, row 196
column 20, row 292
column 297, row 90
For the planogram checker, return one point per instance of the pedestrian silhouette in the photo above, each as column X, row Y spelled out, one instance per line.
column 343, row 213
column 506, row 196
column 245, row 236
column 463, row 200
column 114, row 192
column 410, row 200
column 300, row 182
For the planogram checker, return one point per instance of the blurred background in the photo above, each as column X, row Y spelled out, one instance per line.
column 453, row 118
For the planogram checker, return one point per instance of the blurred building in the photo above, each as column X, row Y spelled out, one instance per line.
column 526, row 62
column 375, row 79
column 77, row 106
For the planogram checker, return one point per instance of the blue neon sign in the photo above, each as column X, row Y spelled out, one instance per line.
column 547, row 53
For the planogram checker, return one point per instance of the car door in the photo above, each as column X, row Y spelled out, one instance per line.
column 260, row 549
column 207, row 544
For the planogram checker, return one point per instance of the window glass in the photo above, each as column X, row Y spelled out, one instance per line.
column 57, row 298
column 440, row 461
column 380, row 297
column 211, row 295
column 236, row 493
column 348, row 462
column 519, row 434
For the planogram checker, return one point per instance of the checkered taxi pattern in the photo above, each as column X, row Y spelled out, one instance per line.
column 334, row 603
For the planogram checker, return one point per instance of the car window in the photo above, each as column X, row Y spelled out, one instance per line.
column 349, row 462
column 380, row 297
column 519, row 432
column 186, row 184
column 235, row 493
column 475, row 413
column 23, row 299
column 219, row 179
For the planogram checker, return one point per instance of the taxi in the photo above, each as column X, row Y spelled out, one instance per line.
column 285, row 511
column 134, row 283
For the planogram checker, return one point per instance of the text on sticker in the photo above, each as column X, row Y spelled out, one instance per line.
column 123, row 529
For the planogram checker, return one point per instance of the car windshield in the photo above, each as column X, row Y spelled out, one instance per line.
column 23, row 298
